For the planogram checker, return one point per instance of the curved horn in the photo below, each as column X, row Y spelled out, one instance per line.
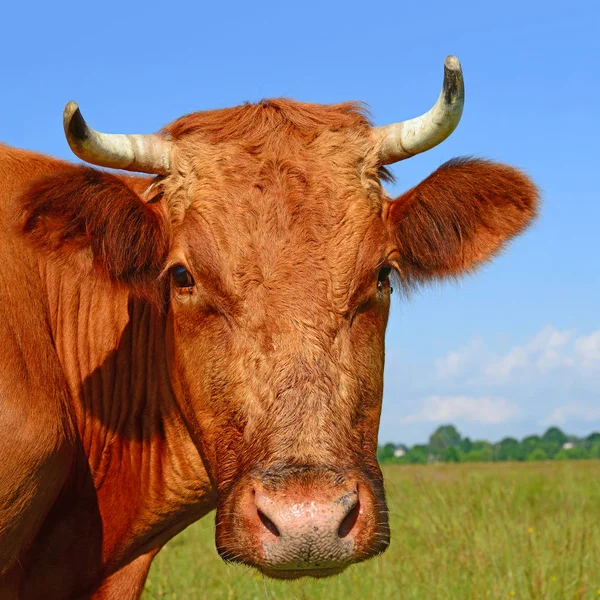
column 407, row 138
column 140, row 153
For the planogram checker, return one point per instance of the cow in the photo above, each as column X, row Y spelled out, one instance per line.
column 212, row 336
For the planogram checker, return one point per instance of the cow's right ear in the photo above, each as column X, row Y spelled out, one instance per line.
column 79, row 207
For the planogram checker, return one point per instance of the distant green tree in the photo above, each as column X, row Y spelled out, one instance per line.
column 417, row 455
column 593, row 438
column 572, row 454
column 451, row 454
column 554, row 435
column 537, row 454
column 445, row 436
column 485, row 446
column 466, row 445
column 550, row 448
column 578, row 453
column 473, row 456
column 385, row 453
column 482, row 455
column 529, row 444
column 509, row 449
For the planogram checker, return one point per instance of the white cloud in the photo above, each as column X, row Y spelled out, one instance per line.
column 464, row 408
column 588, row 349
column 545, row 351
column 501, row 368
column 550, row 349
column 572, row 412
column 456, row 362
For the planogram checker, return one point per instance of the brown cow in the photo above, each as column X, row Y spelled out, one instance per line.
column 214, row 337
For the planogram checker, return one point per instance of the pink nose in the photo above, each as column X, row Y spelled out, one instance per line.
column 296, row 521
column 315, row 532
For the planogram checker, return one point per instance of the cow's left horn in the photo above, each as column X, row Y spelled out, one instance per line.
column 140, row 153
column 407, row 138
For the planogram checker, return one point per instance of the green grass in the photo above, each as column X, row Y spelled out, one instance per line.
column 496, row 530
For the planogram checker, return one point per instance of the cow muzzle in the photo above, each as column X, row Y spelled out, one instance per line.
column 302, row 525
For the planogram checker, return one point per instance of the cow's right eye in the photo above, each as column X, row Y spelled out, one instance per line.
column 383, row 279
column 181, row 277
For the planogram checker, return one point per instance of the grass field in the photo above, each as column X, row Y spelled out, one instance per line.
column 496, row 530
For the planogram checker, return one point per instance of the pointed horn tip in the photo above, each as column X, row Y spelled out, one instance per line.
column 70, row 109
column 76, row 129
column 452, row 63
column 453, row 88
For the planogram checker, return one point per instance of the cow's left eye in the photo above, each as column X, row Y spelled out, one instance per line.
column 182, row 278
column 383, row 279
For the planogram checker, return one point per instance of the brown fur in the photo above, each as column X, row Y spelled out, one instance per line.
column 270, row 369
column 283, row 121
column 75, row 208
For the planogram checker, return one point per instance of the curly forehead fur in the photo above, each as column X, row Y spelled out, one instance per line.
column 263, row 143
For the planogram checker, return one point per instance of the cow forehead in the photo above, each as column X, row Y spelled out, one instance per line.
column 279, row 219
column 303, row 153
column 290, row 208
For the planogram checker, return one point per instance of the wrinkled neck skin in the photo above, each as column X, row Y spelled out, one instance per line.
column 148, row 477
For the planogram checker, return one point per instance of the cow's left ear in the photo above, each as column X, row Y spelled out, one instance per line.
column 459, row 217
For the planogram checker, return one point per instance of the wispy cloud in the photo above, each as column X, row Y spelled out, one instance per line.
column 548, row 350
column 572, row 412
column 545, row 351
column 587, row 348
column 463, row 408
column 459, row 361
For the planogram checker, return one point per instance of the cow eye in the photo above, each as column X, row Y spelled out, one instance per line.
column 383, row 279
column 182, row 277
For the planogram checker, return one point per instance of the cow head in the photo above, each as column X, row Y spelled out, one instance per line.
column 270, row 228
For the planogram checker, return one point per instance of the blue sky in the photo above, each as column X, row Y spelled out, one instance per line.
column 504, row 352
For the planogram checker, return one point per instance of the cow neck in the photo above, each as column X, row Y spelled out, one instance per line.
column 112, row 350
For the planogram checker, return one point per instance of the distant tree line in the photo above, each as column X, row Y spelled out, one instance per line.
column 447, row 445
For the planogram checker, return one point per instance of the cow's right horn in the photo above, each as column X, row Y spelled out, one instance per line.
column 132, row 152
column 407, row 138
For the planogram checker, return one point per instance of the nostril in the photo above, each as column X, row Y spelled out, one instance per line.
column 349, row 521
column 268, row 523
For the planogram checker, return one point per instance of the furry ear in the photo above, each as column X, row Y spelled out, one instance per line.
column 79, row 207
column 459, row 217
